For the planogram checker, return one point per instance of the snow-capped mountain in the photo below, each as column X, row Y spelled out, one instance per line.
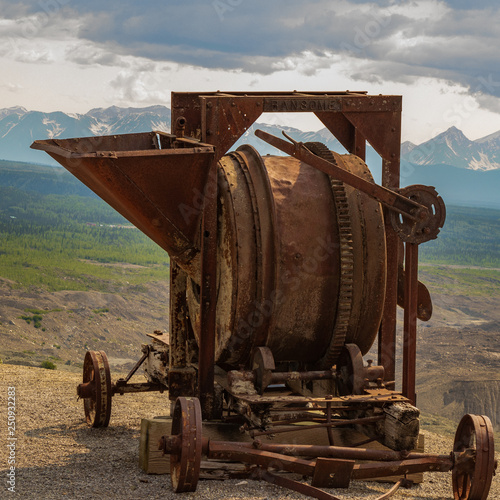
column 463, row 171
column 453, row 148
column 20, row 127
column 407, row 147
column 16, row 110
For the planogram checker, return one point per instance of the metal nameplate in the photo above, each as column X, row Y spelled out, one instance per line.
column 301, row 104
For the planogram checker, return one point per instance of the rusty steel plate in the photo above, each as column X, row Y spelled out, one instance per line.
column 185, row 460
column 475, row 433
column 164, row 338
column 96, row 376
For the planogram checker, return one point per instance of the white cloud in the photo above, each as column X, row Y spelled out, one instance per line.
column 127, row 52
column 86, row 53
column 139, row 87
column 35, row 56
column 12, row 87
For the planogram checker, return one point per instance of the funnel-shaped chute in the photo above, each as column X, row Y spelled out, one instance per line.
column 155, row 180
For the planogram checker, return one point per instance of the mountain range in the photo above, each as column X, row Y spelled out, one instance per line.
column 464, row 172
column 20, row 127
column 453, row 148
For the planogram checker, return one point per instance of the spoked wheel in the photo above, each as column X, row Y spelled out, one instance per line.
column 474, row 437
column 185, row 461
column 96, row 389
column 350, row 374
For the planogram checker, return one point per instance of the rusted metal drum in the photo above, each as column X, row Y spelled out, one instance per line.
column 301, row 261
column 301, row 257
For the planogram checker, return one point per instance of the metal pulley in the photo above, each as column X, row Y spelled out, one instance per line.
column 427, row 227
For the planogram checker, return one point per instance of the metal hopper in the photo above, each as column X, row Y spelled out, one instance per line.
column 155, row 180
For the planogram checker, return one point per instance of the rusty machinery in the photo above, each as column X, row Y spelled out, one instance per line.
column 284, row 270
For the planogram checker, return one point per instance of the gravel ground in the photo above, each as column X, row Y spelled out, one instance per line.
column 58, row 456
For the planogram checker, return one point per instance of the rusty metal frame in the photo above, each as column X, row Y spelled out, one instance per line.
column 472, row 460
column 221, row 118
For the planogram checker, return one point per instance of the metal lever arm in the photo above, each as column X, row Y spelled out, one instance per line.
column 392, row 200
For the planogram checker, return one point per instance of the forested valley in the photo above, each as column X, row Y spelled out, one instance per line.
column 54, row 231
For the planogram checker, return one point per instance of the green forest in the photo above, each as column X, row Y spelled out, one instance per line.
column 470, row 237
column 60, row 242
column 57, row 235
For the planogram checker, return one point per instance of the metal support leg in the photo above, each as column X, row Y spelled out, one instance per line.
column 208, row 296
column 410, row 322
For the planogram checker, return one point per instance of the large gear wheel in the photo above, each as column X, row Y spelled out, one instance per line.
column 344, row 306
column 474, row 433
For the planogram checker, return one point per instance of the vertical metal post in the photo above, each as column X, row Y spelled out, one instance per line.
column 387, row 332
column 359, row 144
column 410, row 322
column 208, row 295
column 177, row 316
column 181, row 378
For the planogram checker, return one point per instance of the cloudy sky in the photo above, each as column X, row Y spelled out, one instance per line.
column 74, row 55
